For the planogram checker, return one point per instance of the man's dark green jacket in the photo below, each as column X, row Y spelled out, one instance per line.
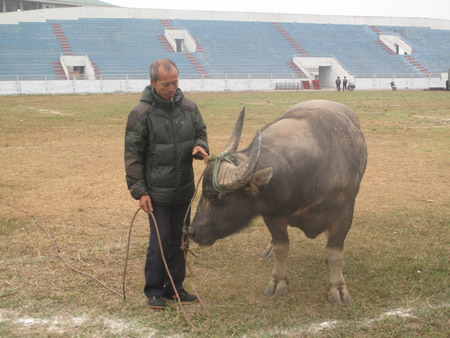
column 160, row 136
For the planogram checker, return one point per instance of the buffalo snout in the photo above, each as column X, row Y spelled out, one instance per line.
column 191, row 231
column 201, row 236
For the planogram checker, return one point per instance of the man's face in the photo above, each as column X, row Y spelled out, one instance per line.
column 167, row 84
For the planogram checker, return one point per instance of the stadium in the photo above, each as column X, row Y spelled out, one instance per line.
column 92, row 46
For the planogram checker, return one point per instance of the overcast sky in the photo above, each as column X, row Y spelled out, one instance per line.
column 437, row 9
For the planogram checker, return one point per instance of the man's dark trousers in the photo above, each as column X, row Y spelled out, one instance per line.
column 170, row 225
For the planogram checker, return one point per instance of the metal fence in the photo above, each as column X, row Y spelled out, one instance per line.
column 396, row 75
column 146, row 76
column 234, row 76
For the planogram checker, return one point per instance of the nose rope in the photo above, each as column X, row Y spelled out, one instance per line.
column 185, row 225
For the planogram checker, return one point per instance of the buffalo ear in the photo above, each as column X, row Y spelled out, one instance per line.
column 258, row 179
column 262, row 176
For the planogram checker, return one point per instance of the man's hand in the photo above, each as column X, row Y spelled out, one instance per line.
column 198, row 151
column 146, row 203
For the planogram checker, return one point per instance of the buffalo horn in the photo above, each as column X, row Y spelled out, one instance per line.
column 235, row 137
column 232, row 177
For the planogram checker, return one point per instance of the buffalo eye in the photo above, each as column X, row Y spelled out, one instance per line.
column 210, row 195
column 213, row 197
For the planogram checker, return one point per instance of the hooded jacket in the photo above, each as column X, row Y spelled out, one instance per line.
column 159, row 139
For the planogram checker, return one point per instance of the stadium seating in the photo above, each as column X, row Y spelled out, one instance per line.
column 431, row 47
column 354, row 46
column 236, row 48
column 117, row 46
column 28, row 49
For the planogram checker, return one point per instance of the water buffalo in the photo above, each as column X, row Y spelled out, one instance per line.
column 302, row 170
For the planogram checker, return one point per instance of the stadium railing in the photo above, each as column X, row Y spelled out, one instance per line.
column 211, row 76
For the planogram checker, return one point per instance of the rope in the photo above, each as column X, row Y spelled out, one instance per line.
column 185, row 225
column 173, row 284
column 184, row 247
column 61, row 256
column 231, row 158
column 128, row 251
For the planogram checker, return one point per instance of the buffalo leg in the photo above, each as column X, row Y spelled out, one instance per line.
column 267, row 253
column 278, row 284
column 337, row 290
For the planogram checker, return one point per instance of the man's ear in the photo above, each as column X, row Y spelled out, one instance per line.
column 258, row 179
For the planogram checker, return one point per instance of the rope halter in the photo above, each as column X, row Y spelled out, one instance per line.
column 231, row 158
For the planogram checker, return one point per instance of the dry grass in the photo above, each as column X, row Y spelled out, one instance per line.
column 62, row 159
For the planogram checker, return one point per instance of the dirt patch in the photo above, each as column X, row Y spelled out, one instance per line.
column 46, row 111
column 68, row 170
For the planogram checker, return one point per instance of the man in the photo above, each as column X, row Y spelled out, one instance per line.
column 338, row 84
column 163, row 134
column 344, row 84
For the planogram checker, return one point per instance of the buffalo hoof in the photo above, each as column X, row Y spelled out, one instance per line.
column 339, row 296
column 276, row 288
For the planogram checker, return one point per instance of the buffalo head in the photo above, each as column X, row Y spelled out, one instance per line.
column 230, row 189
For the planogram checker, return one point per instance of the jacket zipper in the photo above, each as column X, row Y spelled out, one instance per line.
column 175, row 146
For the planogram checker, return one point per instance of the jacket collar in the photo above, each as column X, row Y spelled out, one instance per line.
column 149, row 95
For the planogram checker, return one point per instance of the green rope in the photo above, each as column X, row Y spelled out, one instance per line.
column 231, row 158
column 222, row 191
column 185, row 225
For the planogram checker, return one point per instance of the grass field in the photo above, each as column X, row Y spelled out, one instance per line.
column 62, row 160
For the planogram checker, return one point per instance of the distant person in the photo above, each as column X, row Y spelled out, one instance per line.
column 338, row 84
column 446, row 85
column 164, row 132
column 344, row 84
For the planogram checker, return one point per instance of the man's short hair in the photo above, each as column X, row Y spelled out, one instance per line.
column 154, row 67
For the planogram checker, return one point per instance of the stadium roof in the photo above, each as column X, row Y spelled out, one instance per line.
column 76, row 2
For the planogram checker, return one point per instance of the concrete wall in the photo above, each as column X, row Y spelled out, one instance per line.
column 400, row 83
column 194, row 85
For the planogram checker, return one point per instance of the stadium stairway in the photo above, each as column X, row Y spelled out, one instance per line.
column 59, row 71
column 191, row 58
column 306, row 84
column 166, row 44
column 431, row 47
column 67, row 50
column 98, row 74
column 65, row 46
column 409, row 58
column 316, row 84
column 289, row 39
column 296, row 70
column 418, row 65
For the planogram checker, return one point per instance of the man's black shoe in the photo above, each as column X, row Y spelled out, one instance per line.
column 185, row 296
column 157, row 302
